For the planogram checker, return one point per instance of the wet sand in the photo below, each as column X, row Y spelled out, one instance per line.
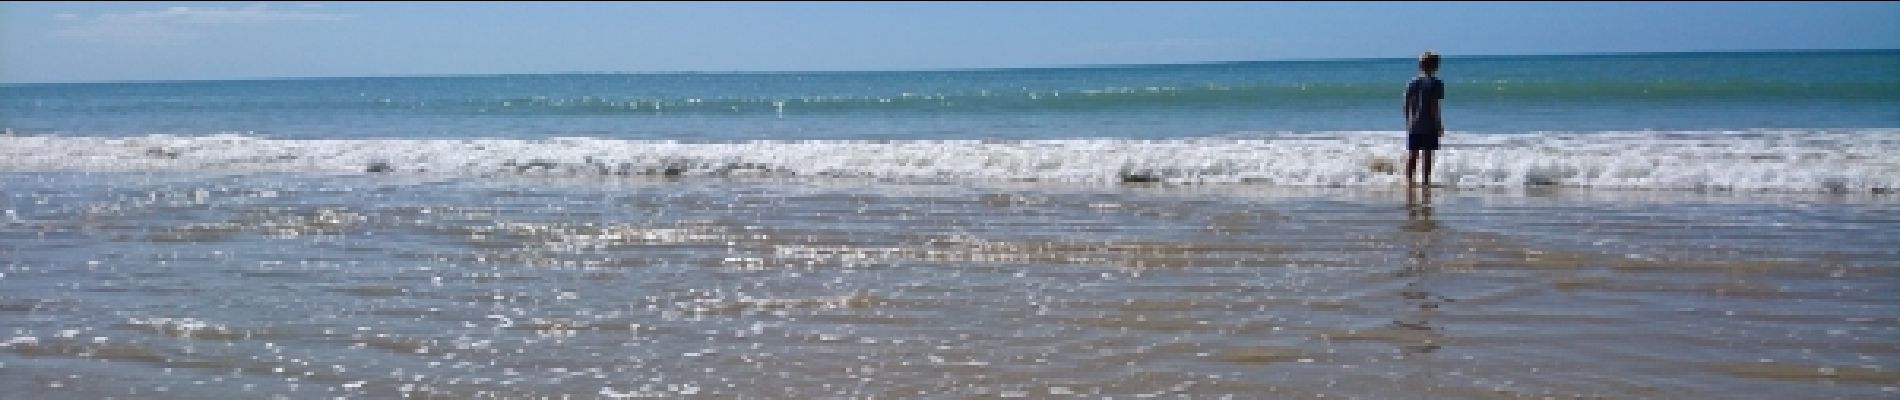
column 192, row 286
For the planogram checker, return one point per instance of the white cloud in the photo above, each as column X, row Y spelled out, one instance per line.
column 177, row 25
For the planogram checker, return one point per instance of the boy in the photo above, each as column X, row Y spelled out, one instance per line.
column 1422, row 123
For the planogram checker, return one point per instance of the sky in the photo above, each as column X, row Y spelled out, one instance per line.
column 42, row 42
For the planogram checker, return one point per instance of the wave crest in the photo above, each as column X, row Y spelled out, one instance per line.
column 1773, row 160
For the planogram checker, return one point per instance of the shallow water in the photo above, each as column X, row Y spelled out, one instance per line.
column 178, row 285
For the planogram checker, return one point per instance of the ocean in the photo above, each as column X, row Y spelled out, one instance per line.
column 1674, row 225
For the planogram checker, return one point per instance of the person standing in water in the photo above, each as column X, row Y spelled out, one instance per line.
column 1423, row 126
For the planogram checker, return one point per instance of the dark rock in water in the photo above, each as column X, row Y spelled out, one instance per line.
column 380, row 166
column 673, row 171
column 1140, row 178
column 544, row 165
column 1546, row 176
column 1834, row 186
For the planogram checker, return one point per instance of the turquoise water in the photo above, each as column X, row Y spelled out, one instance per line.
column 1777, row 121
column 1499, row 94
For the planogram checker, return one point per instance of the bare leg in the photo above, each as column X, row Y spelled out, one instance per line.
column 1425, row 175
column 1411, row 163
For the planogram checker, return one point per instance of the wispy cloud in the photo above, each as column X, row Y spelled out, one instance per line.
column 1153, row 45
column 178, row 25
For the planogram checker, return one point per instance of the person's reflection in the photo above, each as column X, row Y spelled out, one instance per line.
column 1421, row 234
column 1419, row 228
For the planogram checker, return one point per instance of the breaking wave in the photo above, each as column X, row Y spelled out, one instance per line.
column 1839, row 161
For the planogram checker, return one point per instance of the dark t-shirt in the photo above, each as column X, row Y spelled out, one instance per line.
column 1424, row 92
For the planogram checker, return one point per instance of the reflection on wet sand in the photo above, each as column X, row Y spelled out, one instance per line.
column 210, row 288
column 1421, row 237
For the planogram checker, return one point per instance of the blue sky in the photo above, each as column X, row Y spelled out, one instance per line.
column 109, row 41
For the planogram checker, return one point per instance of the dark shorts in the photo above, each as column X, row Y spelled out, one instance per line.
column 1421, row 142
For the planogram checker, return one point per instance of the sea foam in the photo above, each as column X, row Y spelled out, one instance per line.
column 1841, row 161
